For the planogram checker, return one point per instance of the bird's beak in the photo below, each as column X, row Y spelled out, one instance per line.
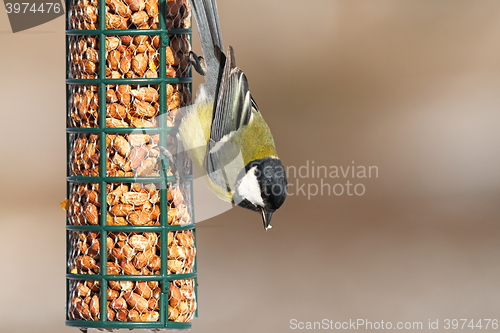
column 266, row 218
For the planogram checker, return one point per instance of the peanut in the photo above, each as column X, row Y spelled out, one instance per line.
column 128, row 268
column 111, row 96
column 136, row 301
column 90, row 14
column 121, row 210
column 138, row 140
column 112, row 43
column 123, row 94
column 143, row 109
column 118, row 7
column 139, row 242
column 94, row 307
column 121, row 145
column 143, row 290
column 135, row 5
column 118, row 303
column 139, row 64
column 116, row 21
column 140, row 18
column 116, row 110
column 146, row 94
column 135, row 198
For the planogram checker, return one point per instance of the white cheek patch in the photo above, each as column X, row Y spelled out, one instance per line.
column 249, row 188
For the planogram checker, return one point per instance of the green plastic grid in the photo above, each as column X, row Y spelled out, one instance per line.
column 103, row 180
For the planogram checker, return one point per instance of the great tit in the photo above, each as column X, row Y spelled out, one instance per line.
column 224, row 132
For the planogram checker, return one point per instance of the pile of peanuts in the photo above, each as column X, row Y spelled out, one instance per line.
column 127, row 155
column 128, row 14
column 132, row 254
column 133, row 154
column 127, row 204
column 132, row 106
column 131, row 301
column 128, row 56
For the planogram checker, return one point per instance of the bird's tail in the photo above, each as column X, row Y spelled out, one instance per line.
column 207, row 21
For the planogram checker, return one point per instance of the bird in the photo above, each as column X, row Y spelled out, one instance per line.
column 224, row 132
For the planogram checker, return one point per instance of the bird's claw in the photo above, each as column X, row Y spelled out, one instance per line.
column 196, row 62
column 164, row 151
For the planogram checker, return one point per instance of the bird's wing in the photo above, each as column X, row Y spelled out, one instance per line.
column 234, row 103
column 224, row 163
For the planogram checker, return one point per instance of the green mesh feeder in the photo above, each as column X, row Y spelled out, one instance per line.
column 131, row 250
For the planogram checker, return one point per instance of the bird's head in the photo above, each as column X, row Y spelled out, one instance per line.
column 262, row 188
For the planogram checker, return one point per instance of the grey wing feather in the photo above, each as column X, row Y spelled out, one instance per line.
column 234, row 102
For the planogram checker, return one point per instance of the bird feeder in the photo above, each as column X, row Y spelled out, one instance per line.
column 130, row 224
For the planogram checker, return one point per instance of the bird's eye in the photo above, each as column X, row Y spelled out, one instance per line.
column 268, row 171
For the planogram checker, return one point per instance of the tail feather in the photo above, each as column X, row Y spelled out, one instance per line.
column 207, row 21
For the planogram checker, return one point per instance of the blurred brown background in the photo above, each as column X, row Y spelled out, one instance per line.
column 411, row 87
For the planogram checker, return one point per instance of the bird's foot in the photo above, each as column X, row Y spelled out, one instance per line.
column 196, row 62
